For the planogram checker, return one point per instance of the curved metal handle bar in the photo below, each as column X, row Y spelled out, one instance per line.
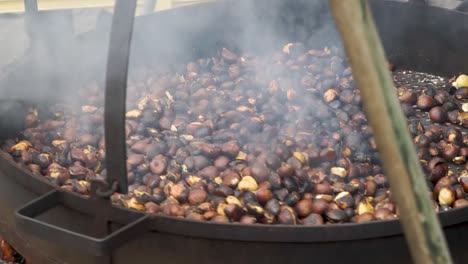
column 116, row 91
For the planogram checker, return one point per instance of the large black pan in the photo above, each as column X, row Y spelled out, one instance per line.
column 415, row 37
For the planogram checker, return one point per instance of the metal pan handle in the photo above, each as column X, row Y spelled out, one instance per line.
column 98, row 246
column 115, row 96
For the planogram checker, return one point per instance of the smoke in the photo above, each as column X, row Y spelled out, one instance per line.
column 52, row 55
column 56, row 52
column 254, row 26
column 49, row 57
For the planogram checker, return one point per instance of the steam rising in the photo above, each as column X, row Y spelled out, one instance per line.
column 54, row 54
column 63, row 52
column 63, row 56
column 67, row 52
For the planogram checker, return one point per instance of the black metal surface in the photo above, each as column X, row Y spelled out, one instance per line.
column 115, row 97
column 417, row 40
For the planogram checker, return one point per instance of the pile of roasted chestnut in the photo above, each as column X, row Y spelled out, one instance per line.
column 252, row 139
